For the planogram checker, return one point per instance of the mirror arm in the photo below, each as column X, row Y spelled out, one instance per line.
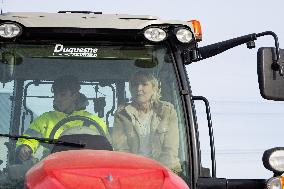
column 275, row 65
column 217, row 48
column 275, row 40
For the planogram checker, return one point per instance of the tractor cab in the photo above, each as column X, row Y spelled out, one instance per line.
column 104, row 53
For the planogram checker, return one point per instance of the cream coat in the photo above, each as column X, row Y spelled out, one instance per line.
column 164, row 133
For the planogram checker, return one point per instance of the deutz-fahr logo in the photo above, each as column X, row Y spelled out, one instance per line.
column 60, row 50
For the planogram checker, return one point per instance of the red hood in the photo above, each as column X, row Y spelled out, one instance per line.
column 100, row 170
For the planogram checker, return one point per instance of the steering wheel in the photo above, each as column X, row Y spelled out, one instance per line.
column 86, row 122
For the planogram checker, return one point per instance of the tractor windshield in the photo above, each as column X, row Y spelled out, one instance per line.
column 127, row 94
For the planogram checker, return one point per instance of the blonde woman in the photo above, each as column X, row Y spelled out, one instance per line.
column 147, row 126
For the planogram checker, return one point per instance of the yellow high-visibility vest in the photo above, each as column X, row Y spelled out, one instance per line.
column 42, row 126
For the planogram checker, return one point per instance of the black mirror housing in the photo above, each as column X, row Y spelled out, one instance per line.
column 271, row 82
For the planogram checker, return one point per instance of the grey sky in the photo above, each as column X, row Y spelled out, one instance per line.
column 244, row 124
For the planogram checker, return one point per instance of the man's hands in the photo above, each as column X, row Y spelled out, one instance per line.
column 25, row 152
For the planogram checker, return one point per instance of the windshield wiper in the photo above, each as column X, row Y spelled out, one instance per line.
column 45, row 140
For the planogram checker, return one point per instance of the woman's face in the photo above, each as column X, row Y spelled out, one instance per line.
column 142, row 90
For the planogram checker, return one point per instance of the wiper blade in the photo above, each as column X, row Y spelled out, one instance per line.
column 45, row 140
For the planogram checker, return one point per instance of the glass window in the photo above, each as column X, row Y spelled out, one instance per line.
column 132, row 83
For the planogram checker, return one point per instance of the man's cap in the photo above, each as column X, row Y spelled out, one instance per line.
column 67, row 82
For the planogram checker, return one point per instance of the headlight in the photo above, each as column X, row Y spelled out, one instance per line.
column 155, row 34
column 184, row 35
column 276, row 160
column 275, row 183
column 9, row 30
column 273, row 159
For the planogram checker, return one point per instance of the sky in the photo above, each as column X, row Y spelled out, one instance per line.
column 244, row 124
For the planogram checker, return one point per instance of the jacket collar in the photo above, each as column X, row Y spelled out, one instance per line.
column 131, row 110
column 72, row 114
column 133, row 113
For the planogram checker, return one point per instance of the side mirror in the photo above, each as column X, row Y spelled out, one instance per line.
column 273, row 160
column 271, row 82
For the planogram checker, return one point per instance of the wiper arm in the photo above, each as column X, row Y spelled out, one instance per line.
column 45, row 140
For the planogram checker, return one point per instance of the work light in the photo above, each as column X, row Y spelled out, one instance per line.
column 184, row 35
column 273, row 159
column 9, row 30
column 155, row 34
column 276, row 160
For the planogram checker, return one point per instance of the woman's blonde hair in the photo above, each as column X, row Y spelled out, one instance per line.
column 146, row 76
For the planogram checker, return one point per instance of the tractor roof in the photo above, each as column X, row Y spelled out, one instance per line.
column 86, row 20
